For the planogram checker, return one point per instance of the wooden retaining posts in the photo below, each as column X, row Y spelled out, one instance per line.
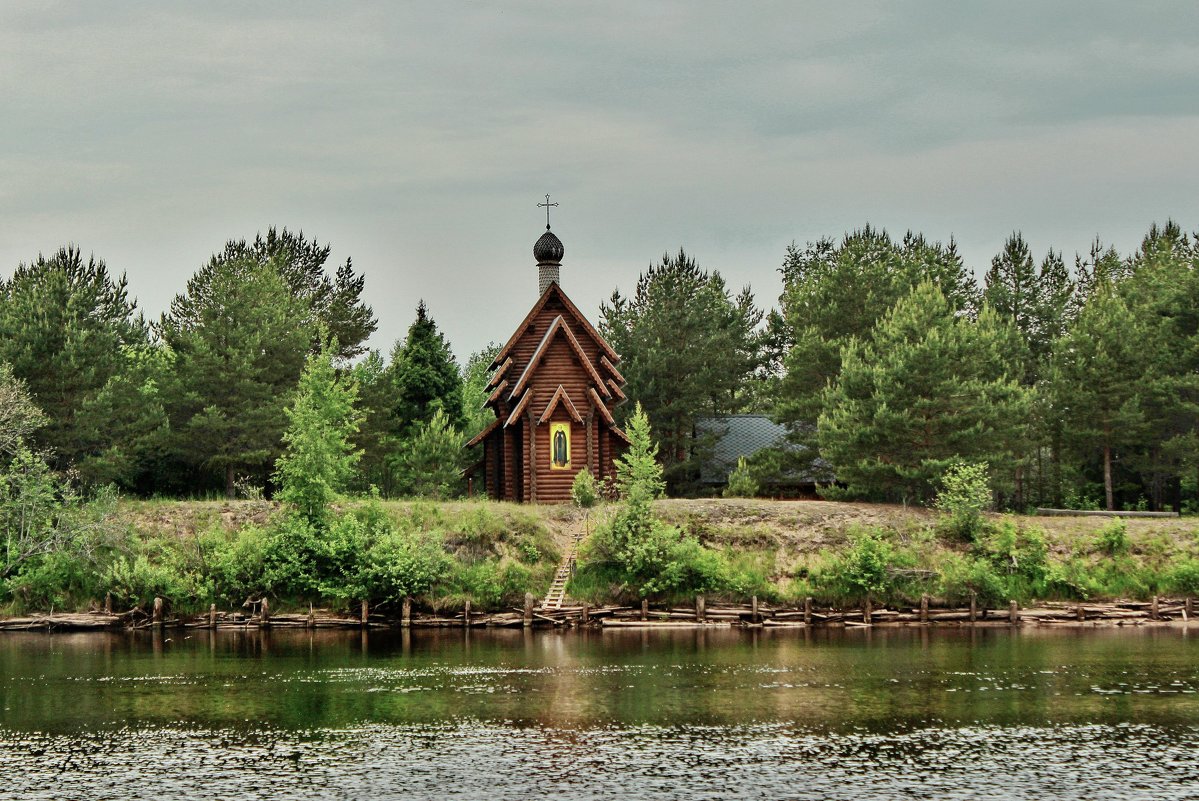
column 755, row 613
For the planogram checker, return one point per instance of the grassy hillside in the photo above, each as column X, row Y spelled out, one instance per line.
column 197, row 552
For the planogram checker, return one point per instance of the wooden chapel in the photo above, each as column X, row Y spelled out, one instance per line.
column 553, row 386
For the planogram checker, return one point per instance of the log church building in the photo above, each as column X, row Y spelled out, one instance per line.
column 553, row 386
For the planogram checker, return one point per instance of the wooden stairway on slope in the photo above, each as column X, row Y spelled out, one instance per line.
column 557, row 591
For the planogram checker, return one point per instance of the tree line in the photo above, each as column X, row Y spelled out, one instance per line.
column 890, row 365
column 888, row 362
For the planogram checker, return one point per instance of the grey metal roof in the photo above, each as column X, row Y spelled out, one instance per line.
column 721, row 441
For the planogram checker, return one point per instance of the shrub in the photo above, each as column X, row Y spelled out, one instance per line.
column 490, row 584
column 236, row 562
column 293, row 556
column 584, row 491
column 1019, row 553
column 57, row 580
column 965, row 495
column 1184, row 577
column 961, row 575
column 135, row 581
column 742, row 483
column 406, row 563
column 1112, row 539
column 864, row 568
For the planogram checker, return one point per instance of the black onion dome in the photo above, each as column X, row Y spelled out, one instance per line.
column 548, row 249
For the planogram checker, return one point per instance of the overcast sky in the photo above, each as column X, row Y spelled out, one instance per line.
column 417, row 138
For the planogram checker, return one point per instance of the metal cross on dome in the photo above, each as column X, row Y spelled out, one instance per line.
column 547, row 205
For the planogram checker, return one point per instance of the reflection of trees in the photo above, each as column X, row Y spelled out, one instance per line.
column 879, row 679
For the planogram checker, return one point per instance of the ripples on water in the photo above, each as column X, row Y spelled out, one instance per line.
column 684, row 715
column 498, row 762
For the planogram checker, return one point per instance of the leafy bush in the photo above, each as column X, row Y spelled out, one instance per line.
column 1184, row 577
column 292, row 562
column 1019, row 553
column 1112, row 539
column 490, row 584
column 960, row 576
column 742, row 483
column 965, row 494
column 864, row 569
column 236, row 562
column 57, row 580
column 136, row 581
column 584, row 490
column 406, row 563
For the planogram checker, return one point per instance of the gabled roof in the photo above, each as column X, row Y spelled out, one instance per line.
column 519, row 410
column 560, row 398
column 620, row 379
column 495, row 394
column 603, row 410
column 498, row 374
column 482, row 435
column 558, row 325
column 617, row 392
column 553, row 290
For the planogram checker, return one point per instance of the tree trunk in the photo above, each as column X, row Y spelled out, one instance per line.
column 1107, row 477
column 230, row 491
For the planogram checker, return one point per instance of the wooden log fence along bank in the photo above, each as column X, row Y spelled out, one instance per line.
column 754, row 614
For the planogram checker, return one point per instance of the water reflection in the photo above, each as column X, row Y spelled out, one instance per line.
column 516, row 714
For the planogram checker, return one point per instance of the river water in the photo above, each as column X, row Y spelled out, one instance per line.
column 879, row 714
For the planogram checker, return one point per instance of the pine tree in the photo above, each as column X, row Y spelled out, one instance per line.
column 1035, row 302
column 425, row 377
column 124, row 430
column 1097, row 380
column 429, row 465
column 1162, row 290
column 833, row 293
column 333, row 304
column 63, row 323
column 689, row 348
column 319, row 457
column 927, row 389
column 240, row 344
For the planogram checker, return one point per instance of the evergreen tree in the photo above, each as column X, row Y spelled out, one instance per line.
column 333, row 304
column 834, row 293
column 63, row 322
column 19, row 415
column 1102, row 267
column 1097, row 380
column 378, row 432
column 124, row 429
column 429, row 465
column 424, row 376
column 319, row 457
column 1035, row 303
column 927, row 389
column 689, row 348
column 1162, row 290
column 240, row 343
column 638, row 474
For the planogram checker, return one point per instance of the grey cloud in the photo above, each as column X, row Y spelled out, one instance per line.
column 418, row 138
